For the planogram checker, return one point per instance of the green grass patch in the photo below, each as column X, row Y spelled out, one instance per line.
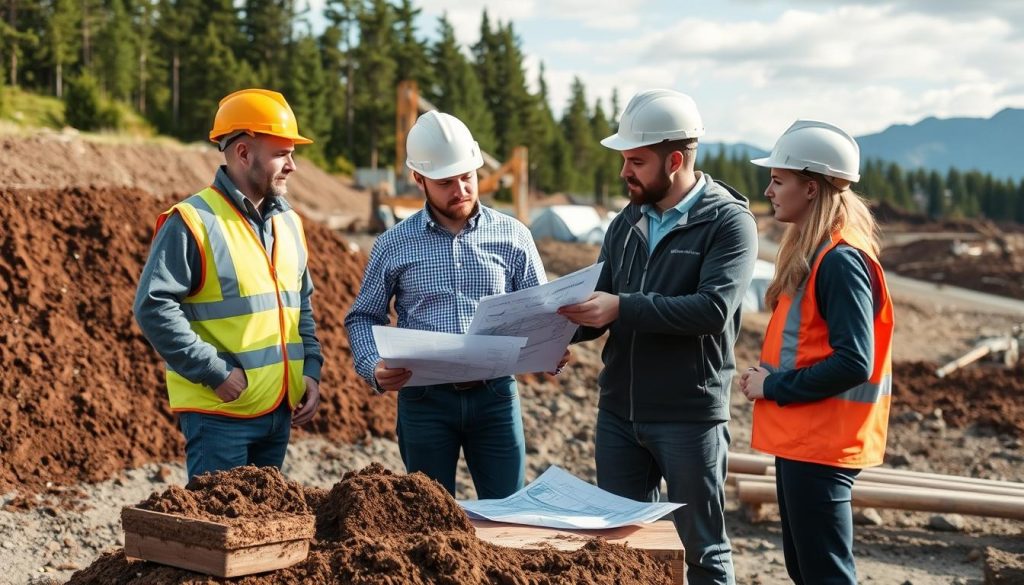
column 30, row 110
column 26, row 110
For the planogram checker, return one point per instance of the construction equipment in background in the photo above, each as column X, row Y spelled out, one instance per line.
column 513, row 173
column 1005, row 349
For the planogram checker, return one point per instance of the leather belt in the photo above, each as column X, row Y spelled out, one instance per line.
column 467, row 385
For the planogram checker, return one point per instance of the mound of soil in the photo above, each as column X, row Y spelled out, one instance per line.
column 393, row 529
column 376, row 501
column 82, row 394
column 243, row 492
column 58, row 161
column 565, row 257
column 986, row 396
column 1003, row 568
column 998, row 269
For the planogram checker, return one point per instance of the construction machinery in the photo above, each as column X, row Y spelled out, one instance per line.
column 513, row 173
column 1004, row 349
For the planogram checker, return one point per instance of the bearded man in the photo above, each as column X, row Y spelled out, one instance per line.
column 677, row 262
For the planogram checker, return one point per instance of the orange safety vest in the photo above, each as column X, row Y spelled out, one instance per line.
column 848, row 429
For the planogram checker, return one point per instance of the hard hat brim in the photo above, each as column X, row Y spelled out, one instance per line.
column 770, row 163
column 616, row 142
column 297, row 139
column 452, row 170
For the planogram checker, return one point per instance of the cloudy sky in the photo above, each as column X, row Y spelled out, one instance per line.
column 756, row 65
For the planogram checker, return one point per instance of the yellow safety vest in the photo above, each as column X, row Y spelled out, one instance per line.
column 246, row 306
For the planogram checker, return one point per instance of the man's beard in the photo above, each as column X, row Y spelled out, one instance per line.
column 268, row 187
column 454, row 216
column 650, row 194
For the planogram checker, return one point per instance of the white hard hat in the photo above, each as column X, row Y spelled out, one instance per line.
column 820, row 147
column 440, row 146
column 654, row 116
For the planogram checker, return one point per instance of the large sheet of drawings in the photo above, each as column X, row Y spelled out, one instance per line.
column 558, row 499
column 438, row 358
column 532, row 313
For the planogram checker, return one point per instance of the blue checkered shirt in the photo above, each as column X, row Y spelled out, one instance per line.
column 437, row 278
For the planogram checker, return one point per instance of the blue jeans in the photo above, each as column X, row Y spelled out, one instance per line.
column 633, row 457
column 485, row 422
column 220, row 443
column 817, row 521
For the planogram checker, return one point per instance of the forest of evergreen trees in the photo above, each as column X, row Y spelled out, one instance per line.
column 172, row 60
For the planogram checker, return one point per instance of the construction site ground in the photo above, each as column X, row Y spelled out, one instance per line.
column 85, row 427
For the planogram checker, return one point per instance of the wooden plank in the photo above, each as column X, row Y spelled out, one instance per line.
column 658, row 539
column 216, row 535
column 219, row 563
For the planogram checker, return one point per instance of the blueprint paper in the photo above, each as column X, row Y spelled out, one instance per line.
column 558, row 499
column 439, row 358
column 532, row 313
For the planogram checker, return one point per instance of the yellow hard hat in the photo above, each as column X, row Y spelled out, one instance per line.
column 256, row 111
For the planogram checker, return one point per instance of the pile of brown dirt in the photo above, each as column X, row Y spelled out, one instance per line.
column 565, row 257
column 243, row 492
column 58, row 161
column 383, row 540
column 998, row 267
column 82, row 394
column 1003, row 568
column 988, row 397
column 377, row 501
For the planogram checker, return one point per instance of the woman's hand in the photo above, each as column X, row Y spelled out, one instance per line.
column 752, row 383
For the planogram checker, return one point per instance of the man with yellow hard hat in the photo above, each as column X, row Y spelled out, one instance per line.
column 225, row 296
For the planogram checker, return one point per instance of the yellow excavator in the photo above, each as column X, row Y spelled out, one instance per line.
column 513, row 173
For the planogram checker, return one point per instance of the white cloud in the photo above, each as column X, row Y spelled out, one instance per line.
column 753, row 67
column 863, row 67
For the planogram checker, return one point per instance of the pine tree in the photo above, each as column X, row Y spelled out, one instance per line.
column 375, row 84
column 339, row 67
column 576, row 128
column 936, row 195
column 455, row 88
column 62, row 40
column 513, row 100
column 267, row 30
column 604, row 160
column 115, row 50
column 15, row 38
column 172, row 38
column 411, row 61
column 210, row 71
column 307, row 93
column 549, row 155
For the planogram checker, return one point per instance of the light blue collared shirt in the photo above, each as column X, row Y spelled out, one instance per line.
column 659, row 224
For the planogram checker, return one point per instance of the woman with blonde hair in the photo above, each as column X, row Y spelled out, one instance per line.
column 822, row 391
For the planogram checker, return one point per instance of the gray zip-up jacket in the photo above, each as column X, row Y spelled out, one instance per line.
column 669, row 355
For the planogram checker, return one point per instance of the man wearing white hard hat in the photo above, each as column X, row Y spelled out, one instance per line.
column 677, row 262
column 436, row 265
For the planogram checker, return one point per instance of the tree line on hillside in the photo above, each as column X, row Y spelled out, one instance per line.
column 953, row 194
column 172, row 60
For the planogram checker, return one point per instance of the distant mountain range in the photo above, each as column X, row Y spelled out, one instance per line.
column 991, row 145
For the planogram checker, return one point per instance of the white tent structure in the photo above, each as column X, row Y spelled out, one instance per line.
column 569, row 223
column 753, row 300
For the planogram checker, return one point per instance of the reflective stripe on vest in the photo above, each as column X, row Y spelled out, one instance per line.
column 845, row 430
column 246, row 306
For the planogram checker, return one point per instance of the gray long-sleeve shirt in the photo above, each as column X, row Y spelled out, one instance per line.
column 174, row 270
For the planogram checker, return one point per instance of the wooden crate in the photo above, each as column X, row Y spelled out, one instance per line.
column 659, row 539
column 214, row 548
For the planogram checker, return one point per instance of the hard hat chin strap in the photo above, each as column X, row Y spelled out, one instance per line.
column 227, row 139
